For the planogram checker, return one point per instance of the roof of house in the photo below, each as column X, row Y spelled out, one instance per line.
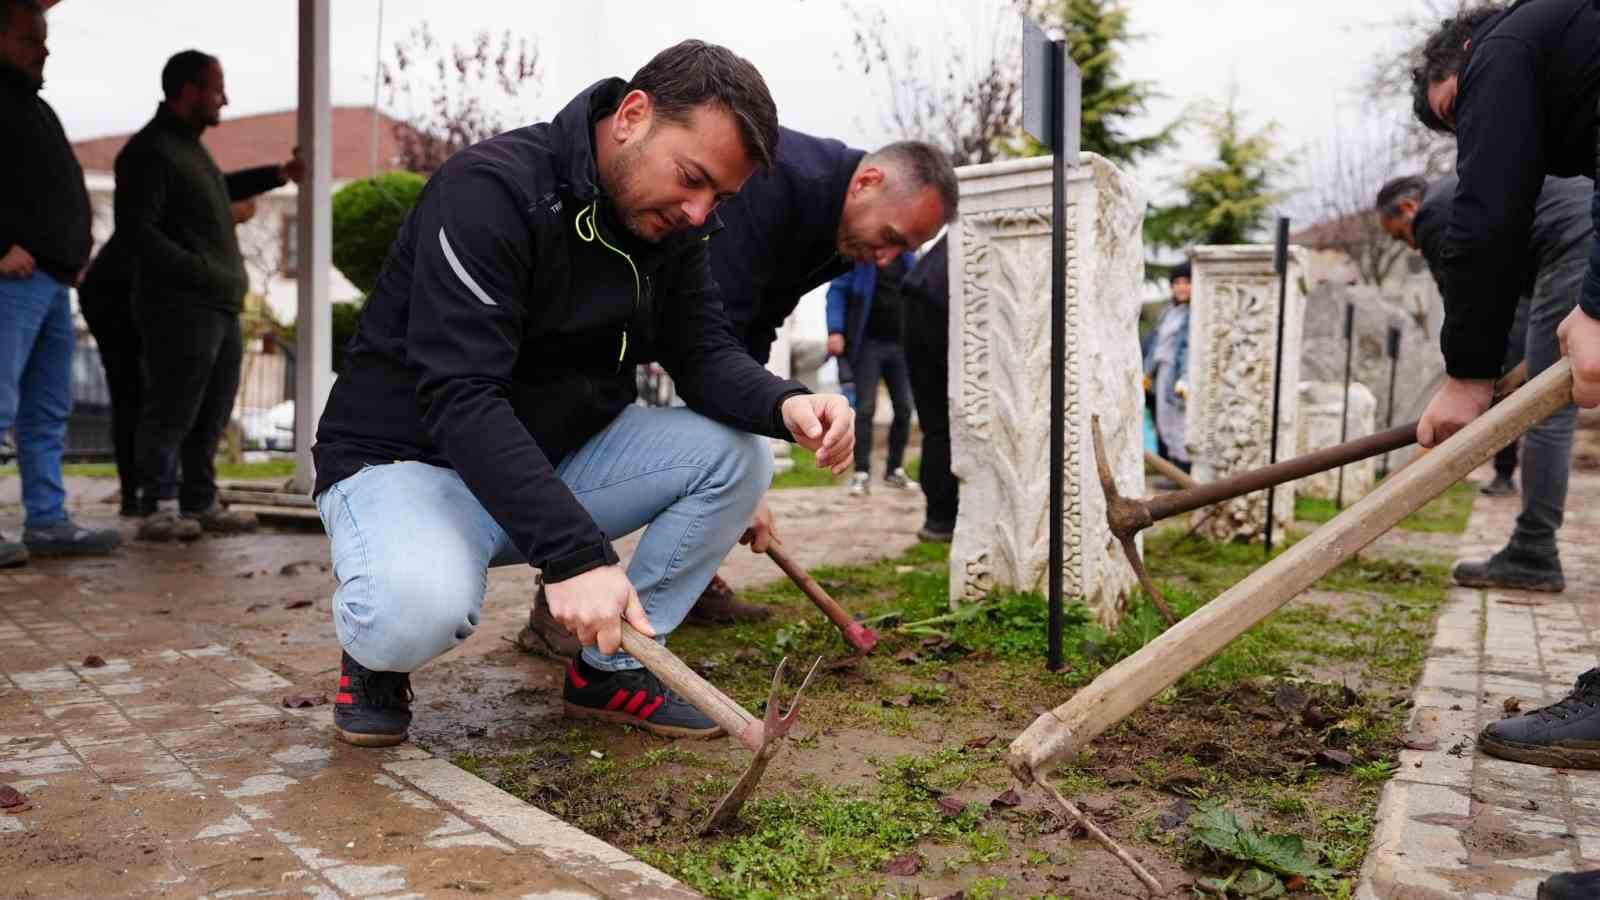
column 1336, row 232
column 267, row 138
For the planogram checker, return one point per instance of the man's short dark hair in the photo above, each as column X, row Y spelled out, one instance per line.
column 694, row 73
column 8, row 8
column 1182, row 270
column 1444, row 54
column 923, row 166
column 1406, row 187
column 185, row 67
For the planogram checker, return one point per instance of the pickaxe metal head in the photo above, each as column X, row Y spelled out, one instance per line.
column 774, row 730
column 1127, row 518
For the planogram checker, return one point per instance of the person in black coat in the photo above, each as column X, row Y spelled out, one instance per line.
column 927, row 345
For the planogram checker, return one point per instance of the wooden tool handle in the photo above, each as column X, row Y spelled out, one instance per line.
column 855, row 634
column 672, row 671
column 1127, row 685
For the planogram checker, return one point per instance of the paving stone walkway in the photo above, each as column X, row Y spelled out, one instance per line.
column 1457, row 823
column 175, row 770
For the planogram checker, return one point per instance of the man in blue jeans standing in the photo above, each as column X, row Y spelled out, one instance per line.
column 44, row 245
column 485, row 415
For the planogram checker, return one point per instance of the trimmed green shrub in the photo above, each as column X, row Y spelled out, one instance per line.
column 366, row 216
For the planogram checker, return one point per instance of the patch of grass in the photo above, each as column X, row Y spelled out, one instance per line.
column 805, row 472
column 819, row 842
column 1314, row 509
column 1446, row 513
column 267, row 470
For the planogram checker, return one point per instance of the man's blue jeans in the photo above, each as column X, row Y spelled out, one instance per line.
column 412, row 546
column 36, row 343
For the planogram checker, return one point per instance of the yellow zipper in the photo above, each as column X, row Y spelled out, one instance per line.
column 594, row 234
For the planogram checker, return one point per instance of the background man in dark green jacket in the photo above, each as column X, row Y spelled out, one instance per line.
column 44, row 243
column 172, row 208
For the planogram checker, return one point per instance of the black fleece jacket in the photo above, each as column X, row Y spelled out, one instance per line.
column 1525, row 108
column 779, row 236
column 44, row 205
column 505, row 325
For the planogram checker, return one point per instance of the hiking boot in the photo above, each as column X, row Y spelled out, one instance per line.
column 1501, row 486
column 632, row 697
column 1571, row 886
column 859, row 486
column 899, row 480
column 167, row 525
column 1514, row 567
column 719, row 605
column 1565, row 735
column 372, row 709
column 936, row 533
column 67, row 538
column 12, row 553
column 543, row 635
column 221, row 520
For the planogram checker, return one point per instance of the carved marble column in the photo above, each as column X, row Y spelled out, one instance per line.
column 1321, row 414
column 1000, row 376
column 1232, row 343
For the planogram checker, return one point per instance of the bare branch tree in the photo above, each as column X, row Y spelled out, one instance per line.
column 450, row 99
column 967, row 100
column 1341, row 180
column 1387, row 85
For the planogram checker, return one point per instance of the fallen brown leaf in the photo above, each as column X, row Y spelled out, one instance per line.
column 906, row 864
column 93, row 662
column 903, row 700
column 297, row 604
column 1006, row 800
column 1336, row 758
column 1295, row 883
column 907, row 656
column 951, row 806
column 978, row 743
column 1513, row 705
column 1421, row 742
column 10, row 796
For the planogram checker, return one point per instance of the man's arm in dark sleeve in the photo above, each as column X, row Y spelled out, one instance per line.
column 246, row 183
column 140, row 197
column 474, row 260
column 1501, row 165
column 713, row 372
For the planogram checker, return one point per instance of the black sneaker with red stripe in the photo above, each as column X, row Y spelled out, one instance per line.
column 372, row 709
column 632, row 697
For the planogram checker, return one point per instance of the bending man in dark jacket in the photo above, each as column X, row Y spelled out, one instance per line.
column 1519, row 88
column 44, row 244
column 822, row 208
column 174, row 212
column 1417, row 213
column 485, row 415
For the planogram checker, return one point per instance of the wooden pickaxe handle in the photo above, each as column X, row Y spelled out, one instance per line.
column 855, row 634
column 734, row 719
column 1127, row 685
column 1164, row 506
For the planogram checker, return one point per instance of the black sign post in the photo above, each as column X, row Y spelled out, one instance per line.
column 1052, row 110
column 1280, row 264
column 1394, row 375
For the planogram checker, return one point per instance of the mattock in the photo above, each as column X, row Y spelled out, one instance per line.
column 762, row 736
column 1127, row 517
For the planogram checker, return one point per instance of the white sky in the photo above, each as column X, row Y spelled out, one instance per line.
column 1296, row 62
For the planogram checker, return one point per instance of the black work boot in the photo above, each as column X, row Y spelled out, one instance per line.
column 1515, row 567
column 719, row 605
column 372, row 709
column 1501, row 486
column 543, row 635
column 1571, row 886
column 632, row 697
column 1565, row 735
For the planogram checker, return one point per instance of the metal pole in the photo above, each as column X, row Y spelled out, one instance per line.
column 1344, row 412
column 1280, row 260
column 1394, row 373
column 377, row 79
column 1058, row 345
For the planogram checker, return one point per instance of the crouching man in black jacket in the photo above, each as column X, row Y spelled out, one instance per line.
column 486, row 413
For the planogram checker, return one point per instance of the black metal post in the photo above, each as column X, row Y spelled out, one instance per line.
column 1280, row 261
column 1394, row 374
column 1344, row 399
column 1058, row 346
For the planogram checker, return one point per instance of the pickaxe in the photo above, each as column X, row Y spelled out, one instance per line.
column 1127, row 517
column 1125, row 686
column 763, row 736
column 855, row 634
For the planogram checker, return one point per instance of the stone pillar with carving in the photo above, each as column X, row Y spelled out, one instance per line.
column 1233, row 333
column 1000, row 376
column 1323, row 417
